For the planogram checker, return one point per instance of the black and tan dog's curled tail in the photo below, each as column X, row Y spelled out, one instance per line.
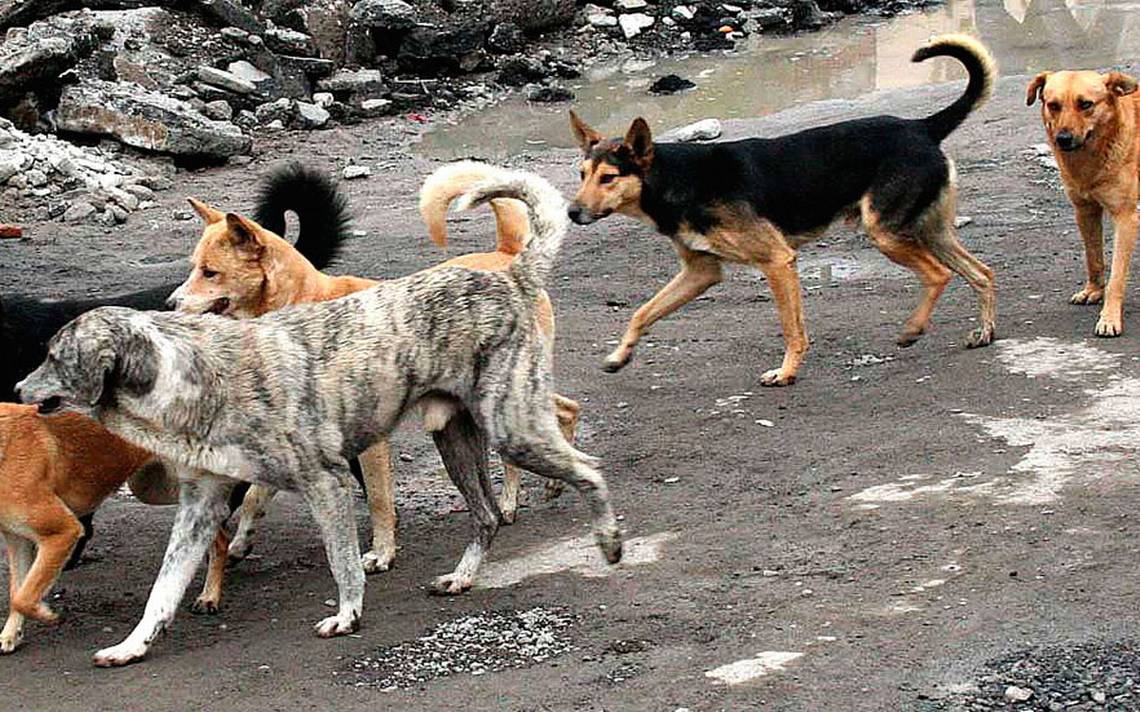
column 548, row 220
column 322, row 211
column 980, row 67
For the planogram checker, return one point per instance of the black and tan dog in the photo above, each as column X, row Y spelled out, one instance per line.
column 756, row 201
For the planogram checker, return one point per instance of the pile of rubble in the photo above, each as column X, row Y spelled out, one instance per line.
column 73, row 183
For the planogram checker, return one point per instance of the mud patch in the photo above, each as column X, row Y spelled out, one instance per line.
column 471, row 645
column 579, row 555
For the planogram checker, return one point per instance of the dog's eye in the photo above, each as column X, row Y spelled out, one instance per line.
column 607, row 178
column 209, row 273
column 1054, row 106
column 1084, row 104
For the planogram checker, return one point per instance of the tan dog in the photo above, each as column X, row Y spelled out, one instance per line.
column 248, row 271
column 53, row 470
column 1092, row 122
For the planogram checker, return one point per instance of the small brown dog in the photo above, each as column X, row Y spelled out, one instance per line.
column 52, row 471
column 249, row 271
column 1093, row 124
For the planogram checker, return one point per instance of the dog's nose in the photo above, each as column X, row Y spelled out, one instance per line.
column 1066, row 141
column 579, row 215
column 18, row 394
column 171, row 302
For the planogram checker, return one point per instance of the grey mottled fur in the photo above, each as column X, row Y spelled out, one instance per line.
column 287, row 399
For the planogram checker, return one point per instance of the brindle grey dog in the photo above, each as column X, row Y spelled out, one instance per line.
column 287, row 399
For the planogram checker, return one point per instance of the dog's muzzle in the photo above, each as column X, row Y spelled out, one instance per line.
column 1066, row 141
column 583, row 216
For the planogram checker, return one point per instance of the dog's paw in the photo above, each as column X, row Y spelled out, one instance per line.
column 122, row 654
column 908, row 337
column 982, row 336
column 377, row 561
column 617, row 360
column 205, row 607
column 610, row 544
column 776, row 377
column 9, row 642
column 553, row 490
column 1091, row 294
column 449, row 585
column 1109, row 327
column 336, row 625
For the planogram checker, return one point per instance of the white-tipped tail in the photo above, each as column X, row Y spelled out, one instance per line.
column 448, row 182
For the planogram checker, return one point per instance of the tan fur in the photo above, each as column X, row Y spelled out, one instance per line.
column 52, row 471
column 256, row 272
column 1101, row 176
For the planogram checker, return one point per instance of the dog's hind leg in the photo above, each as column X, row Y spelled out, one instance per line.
column 699, row 271
column 210, row 599
column 463, row 447
column 525, row 432
column 252, row 510
column 21, row 552
column 951, row 253
column 57, row 530
column 330, row 499
column 380, row 489
column 917, row 258
column 201, row 510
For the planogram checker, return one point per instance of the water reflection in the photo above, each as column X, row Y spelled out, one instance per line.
column 846, row 60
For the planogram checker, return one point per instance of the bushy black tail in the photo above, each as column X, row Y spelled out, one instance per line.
column 321, row 209
column 981, row 68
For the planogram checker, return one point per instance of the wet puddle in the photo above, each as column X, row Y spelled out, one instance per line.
column 849, row 59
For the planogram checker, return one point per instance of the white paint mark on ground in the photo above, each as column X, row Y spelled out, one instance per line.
column 749, row 669
column 1046, row 356
column 1094, row 441
column 579, row 554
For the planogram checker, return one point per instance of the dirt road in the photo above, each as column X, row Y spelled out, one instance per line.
column 868, row 539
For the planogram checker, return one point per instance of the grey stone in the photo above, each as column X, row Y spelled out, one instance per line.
column 384, row 14
column 242, row 69
column 354, row 171
column 375, row 107
column 311, row 116
column 11, row 163
column 225, row 80
column 281, row 110
column 139, row 191
column 703, row 130
column 361, row 83
column 37, row 55
column 219, row 110
column 145, row 120
column 323, row 99
column 285, row 41
column 36, row 178
column 78, row 212
column 506, row 38
column 630, row 5
column 633, row 23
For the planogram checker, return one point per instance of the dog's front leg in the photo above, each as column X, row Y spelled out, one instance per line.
column 1124, row 242
column 463, row 447
column 201, row 509
column 780, row 269
column 380, row 488
column 699, row 271
column 330, row 500
column 1090, row 224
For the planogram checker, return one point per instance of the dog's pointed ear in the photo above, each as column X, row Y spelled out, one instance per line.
column 586, row 137
column 1119, row 83
column 640, row 141
column 1033, row 91
column 244, row 233
column 208, row 214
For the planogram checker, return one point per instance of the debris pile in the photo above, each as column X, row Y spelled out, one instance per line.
column 73, row 183
column 475, row 644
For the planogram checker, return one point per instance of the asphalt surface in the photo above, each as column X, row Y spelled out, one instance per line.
column 879, row 536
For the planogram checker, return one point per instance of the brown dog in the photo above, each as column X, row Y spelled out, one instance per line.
column 248, row 270
column 53, row 470
column 1092, row 123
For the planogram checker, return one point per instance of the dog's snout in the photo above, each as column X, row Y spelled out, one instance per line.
column 579, row 214
column 1066, row 141
column 18, row 392
column 171, row 302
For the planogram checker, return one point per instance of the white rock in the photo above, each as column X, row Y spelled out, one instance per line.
column 11, row 163
column 703, row 130
column 78, row 212
column 354, row 171
column 631, row 5
column 311, row 116
column 684, row 12
column 323, row 99
column 221, row 78
column 244, row 70
column 1013, row 693
column 633, row 23
column 601, row 19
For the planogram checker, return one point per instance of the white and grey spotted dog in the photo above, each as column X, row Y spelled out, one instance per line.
column 287, row 399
